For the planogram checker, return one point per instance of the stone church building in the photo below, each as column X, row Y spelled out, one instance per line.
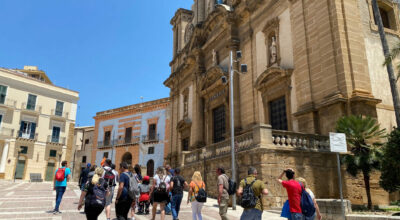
column 309, row 63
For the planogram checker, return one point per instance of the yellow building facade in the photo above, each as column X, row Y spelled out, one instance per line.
column 37, row 121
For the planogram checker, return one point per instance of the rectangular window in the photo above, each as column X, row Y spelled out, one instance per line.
column 86, row 141
column 27, row 130
column 31, row 102
column 84, row 159
column 24, row 150
column 219, row 124
column 185, row 144
column 128, row 135
column 3, row 93
column 152, row 131
column 277, row 113
column 1, row 119
column 59, row 108
column 55, row 137
column 105, row 155
column 53, row 153
column 150, row 150
column 107, row 138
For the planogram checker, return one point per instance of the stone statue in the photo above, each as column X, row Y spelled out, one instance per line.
column 273, row 52
column 214, row 58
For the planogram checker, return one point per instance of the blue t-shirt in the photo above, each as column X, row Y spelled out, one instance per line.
column 123, row 178
column 63, row 183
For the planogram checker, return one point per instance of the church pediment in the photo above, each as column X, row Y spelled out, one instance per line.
column 272, row 76
column 212, row 78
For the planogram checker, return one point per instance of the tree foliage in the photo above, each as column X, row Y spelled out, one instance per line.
column 390, row 169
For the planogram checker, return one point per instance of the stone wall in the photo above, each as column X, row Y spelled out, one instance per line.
column 331, row 209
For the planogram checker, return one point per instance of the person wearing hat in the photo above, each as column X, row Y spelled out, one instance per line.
column 144, row 199
column 84, row 176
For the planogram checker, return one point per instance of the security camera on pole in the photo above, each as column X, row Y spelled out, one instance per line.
column 243, row 69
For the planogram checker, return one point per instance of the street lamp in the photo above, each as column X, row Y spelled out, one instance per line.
column 16, row 163
column 243, row 69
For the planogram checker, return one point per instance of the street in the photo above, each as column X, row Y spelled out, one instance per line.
column 23, row 200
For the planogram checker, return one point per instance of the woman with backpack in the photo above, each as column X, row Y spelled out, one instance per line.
column 317, row 212
column 138, row 176
column 95, row 193
column 159, row 192
column 195, row 186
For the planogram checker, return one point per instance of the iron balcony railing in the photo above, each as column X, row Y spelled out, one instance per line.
column 129, row 140
column 55, row 139
column 151, row 138
column 62, row 114
column 9, row 103
column 29, row 136
column 6, row 132
column 35, row 108
column 107, row 143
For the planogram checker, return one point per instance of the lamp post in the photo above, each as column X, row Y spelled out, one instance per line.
column 231, row 103
column 16, row 164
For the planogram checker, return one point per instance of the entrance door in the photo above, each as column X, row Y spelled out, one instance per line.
column 50, row 171
column 150, row 168
column 20, row 169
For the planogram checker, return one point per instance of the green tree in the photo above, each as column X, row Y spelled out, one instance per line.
column 390, row 168
column 363, row 136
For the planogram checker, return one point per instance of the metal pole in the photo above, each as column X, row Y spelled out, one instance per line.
column 340, row 186
column 232, row 126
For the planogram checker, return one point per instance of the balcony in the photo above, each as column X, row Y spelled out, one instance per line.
column 107, row 144
column 262, row 137
column 129, row 141
column 8, row 103
column 6, row 132
column 150, row 138
column 59, row 114
column 36, row 109
column 55, row 140
column 27, row 136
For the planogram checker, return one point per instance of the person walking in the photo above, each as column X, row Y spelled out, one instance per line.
column 294, row 191
column 317, row 212
column 195, row 185
column 110, row 176
column 251, row 188
column 170, row 174
column 94, row 193
column 123, row 201
column 144, row 199
column 178, row 183
column 83, row 177
column 138, row 176
column 62, row 175
column 159, row 191
column 223, row 195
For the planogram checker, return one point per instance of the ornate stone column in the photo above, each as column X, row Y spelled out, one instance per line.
column 4, row 157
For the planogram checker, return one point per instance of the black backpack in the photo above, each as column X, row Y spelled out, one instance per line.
column 201, row 194
column 232, row 186
column 96, row 196
column 249, row 200
column 109, row 177
column 162, row 187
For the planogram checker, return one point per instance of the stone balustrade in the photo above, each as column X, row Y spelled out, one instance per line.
column 300, row 140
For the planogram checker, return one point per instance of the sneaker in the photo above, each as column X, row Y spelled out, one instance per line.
column 55, row 212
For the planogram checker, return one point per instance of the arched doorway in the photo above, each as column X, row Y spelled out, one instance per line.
column 127, row 157
column 150, row 168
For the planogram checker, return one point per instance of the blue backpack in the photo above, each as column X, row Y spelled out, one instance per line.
column 306, row 203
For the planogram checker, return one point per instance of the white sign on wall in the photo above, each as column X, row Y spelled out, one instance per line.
column 338, row 142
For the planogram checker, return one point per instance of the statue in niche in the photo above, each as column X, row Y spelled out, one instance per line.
column 273, row 52
column 185, row 106
column 214, row 58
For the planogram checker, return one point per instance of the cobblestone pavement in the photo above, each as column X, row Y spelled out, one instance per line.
column 23, row 200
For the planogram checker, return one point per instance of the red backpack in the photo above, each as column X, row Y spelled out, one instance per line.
column 60, row 174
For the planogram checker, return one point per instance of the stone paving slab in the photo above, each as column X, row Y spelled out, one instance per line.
column 24, row 200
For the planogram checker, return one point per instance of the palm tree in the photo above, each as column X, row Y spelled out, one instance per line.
column 364, row 139
column 388, row 61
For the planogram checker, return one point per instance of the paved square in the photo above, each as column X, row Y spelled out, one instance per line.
column 23, row 200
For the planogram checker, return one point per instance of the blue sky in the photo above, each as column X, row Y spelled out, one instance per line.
column 111, row 51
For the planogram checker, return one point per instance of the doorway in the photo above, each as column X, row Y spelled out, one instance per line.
column 20, row 169
column 150, row 168
column 127, row 157
column 50, row 171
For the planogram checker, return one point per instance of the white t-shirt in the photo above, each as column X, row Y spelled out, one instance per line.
column 311, row 193
column 165, row 179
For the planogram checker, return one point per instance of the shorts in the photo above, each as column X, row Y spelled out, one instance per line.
column 160, row 197
column 110, row 197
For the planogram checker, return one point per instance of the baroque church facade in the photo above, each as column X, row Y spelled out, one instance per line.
column 309, row 63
